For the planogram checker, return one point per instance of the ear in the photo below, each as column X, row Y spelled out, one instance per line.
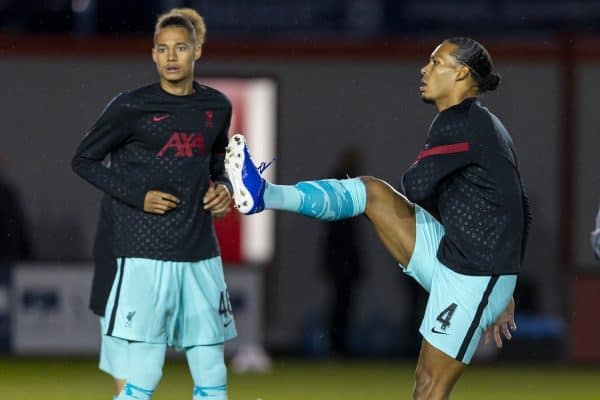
column 462, row 73
column 197, row 52
column 154, row 55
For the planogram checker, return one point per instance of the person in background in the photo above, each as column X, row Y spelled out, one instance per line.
column 596, row 237
column 15, row 239
column 342, row 264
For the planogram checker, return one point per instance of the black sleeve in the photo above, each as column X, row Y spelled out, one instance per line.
column 108, row 133
column 217, row 157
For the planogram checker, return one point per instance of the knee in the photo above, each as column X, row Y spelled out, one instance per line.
column 145, row 369
column 207, row 365
column 423, row 384
column 144, row 377
column 381, row 195
column 119, row 384
column 428, row 386
column 210, row 378
column 209, row 375
column 374, row 187
column 370, row 182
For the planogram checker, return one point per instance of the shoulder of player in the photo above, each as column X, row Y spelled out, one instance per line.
column 126, row 97
column 212, row 94
column 489, row 132
column 481, row 120
column 117, row 105
column 140, row 93
column 131, row 99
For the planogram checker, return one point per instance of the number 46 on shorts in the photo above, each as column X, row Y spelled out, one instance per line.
column 225, row 304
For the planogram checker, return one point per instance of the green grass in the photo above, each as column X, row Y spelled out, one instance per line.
column 64, row 379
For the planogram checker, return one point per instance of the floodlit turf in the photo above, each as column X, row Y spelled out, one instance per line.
column 58, row 379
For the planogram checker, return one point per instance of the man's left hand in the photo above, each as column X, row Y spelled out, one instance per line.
column 504, row 324
column 217, row 200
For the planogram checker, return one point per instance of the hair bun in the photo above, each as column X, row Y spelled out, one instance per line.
column 491, row 82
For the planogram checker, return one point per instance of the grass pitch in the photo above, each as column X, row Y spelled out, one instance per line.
column 66, row 379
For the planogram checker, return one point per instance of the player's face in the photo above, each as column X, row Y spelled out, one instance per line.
column 174, row 54
column 438, row 77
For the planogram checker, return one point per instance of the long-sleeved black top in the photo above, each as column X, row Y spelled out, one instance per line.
column 159, row 141
column 467, row 177
column 105, row 263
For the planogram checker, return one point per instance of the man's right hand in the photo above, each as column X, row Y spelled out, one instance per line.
column 157, row 202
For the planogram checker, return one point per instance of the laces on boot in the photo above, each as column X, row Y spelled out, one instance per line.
column 264, row 166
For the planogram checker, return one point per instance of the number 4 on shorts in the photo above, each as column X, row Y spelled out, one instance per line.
column 446, row 315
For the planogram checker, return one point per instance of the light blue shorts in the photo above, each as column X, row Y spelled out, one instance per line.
column 460, row 307
column 182, row 304
column 113, row 353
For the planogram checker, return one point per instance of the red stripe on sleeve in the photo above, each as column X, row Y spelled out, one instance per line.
column 462, row 147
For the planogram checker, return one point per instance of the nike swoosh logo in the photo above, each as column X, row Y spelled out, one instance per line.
column 226, row 324
column 438, row 332
column 158, row 118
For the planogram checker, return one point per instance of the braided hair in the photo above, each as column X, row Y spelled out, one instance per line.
column 474, row 56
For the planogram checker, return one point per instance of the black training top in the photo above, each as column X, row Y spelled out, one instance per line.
column 105, row 263
column 467, row 178
column 159, row 141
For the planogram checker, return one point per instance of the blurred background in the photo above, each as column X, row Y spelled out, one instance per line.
column 334, row 86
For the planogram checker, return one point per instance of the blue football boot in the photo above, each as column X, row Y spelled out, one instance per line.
column 248, row 184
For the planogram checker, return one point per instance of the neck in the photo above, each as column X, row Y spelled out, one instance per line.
column 454, row 99
column 183, row 87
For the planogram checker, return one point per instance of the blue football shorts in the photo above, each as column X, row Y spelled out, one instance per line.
column 181, row 304
column 113, row 353
column 460, row 307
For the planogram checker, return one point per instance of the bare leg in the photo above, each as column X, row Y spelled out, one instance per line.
column 119, row 383
column 436, row 374
column 393, row 218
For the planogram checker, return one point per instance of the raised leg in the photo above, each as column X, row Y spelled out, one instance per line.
column 393, row 218
column 392, row 215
